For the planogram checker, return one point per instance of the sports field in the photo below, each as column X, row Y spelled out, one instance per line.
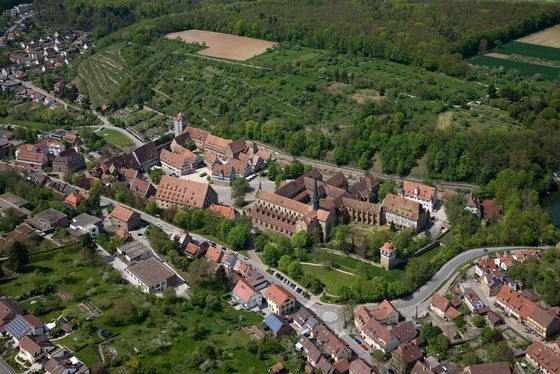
column 548, row 38
column 116, row 138
column 231, row 47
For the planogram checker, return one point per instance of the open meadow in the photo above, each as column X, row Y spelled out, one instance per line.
column 220, row 45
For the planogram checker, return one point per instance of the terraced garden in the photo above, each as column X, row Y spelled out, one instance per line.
column 147, row 124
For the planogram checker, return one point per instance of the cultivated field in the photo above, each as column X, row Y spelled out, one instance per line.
column 231, row 47
column 548, row 38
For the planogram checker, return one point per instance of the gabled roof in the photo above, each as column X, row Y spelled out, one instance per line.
column 214, row 254
column 151, row 271
column 223, row 210
column 274, row 322
column 420, row 368
column 359, row 366
column 121, row 213
column 405, row 331
column 490, row 368
column 244, row 291
column 276, row 294
column 419, row 191
column 146, row 153
column 440, row 302
column 141, row 186
column 184, row 192
column 409, row 353
column 402, row 207
column 544, row 357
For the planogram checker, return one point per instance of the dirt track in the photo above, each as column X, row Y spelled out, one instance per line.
column 548, row 38
column 231, row 47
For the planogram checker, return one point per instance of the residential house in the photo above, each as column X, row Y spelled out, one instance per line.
column 489, row 368
column 280, row 300
column 34, row 348
column 224, row 211
column 30, row 155
column 443, row 308
column 63, row 361
column 378, row 336
column 400, row 212
column 150, row 275
column 405, row 357
column 359, row 366
column 195, row 250
column 9, row 309
column 311, row 351
column 242, row 168
column 490, row 284
column 174, row 191
column 543, row 358
column 245, row 295
column 182, row 238
column 142, row 188
column 73, row 200
column 277, row 324
column 68, row 161
column 134, row 251
column 23, row 325
column 86, row 224
column 182, row 163
column 223, row 174
column 422, row 194
column 405, row 331
column 472, row 300
column 47, row 220
column 124, row 218
column 128, row 174
column 214, row 254
column 337, row 349
column 146, row 155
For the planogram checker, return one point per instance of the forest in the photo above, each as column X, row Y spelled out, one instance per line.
column 438, row 33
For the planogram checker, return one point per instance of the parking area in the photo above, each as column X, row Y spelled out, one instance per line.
column 289, row 283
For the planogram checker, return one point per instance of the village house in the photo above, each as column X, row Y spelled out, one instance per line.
column 146, row 155
column 280, row 300
column 421, row 368
column 385, row 314
column 68, row 161
column 47, row 220
column 365, row 189
column 472, row 300
column 63, row 361
column 378, row 336
column 277, row 325
column 405, row 357
column 124, row 218
column 128, row 174
column 86, row 224
column 198, row 137
column 174, row 191
column 527, row 312
column 359, row 366
column 30, row 155
column 245, row 295
column 181, row 163
column 134, row 251
column 242, row 168
column 223, row 174
column 402, row 213
column 9, row 309
column 224, row 211
column 142, row 188
column 488, row 368
column 422, row 194
column 73, row 200
column 543, row 358
column 195, row 250
column 34, row 348
column 150, row 275
column 23, row 325
column 214, row 254
column 443, row 308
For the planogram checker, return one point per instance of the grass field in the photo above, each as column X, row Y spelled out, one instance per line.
column 29, row 124
column 331, row 278
column 116, row 138
column 529, row 50
column 167, row 343
column 349, row 264
column 547, row 72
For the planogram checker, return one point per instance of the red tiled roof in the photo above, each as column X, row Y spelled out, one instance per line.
column 277, row 294
column 214, row 254
column 440, row 302
column 401, row 206
column 243, row 291
column 383, row 310
column 223, row 210
column 544, row 356
column 420, row 191
column 185, row 192
column 121, row 213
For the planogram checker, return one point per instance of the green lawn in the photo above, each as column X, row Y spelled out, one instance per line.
column 116, row 138
column 31, row 124
column 547, row 72
column 331, row 278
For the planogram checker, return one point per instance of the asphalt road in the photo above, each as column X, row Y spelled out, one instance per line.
column 5, row 368
column 408, row 304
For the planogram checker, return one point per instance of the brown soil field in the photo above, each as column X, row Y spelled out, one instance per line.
column 220, row 45
column 445, row 120
column 366, row 94
column 548, row 38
